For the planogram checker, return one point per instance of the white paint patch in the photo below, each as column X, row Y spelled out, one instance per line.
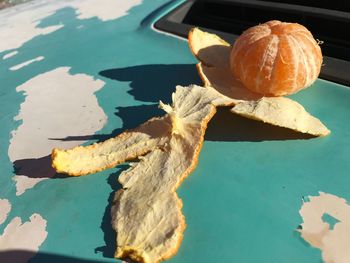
column 26, row 63
column 333, row 242
column 104, row 9
column 11, row 54
column 24, row 183
column 25, row 237
column 57, row 105
column 21, row 23
column 21, row 32
column 5, row 208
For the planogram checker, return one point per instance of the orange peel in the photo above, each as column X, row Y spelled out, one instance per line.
column 146, row 213
column 215, row 72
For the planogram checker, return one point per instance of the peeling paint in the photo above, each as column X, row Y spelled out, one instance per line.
column 104, row 9
column 24, row 183
column 26, row 63
column 333, row 241
column 49, row 123
column 5, row 208
column 20, row 24
column 22, row 237
column 11, row 54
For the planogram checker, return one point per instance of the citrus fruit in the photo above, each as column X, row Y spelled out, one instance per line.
column 276, row 58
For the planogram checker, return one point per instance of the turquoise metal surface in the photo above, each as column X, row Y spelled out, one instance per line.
column 241, row 203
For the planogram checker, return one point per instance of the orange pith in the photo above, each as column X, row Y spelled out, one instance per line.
column 276, row 58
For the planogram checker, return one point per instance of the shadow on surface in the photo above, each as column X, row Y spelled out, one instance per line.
column 20, row 256
column 151, row 83
column 148, row 83
column 106, row 226
column 131, row 117
column 36, row 168
column 226, row 126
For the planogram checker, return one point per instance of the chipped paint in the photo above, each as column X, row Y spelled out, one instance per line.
column 104, row 9
column 20, row 24
column 333, row 241
column 24, row 183
column 49, row 123
column 10, row 54
column 5, row 208
column 26, row 63
column 22, row 237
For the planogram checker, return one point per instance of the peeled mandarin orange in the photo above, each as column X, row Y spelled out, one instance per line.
column 276, row 58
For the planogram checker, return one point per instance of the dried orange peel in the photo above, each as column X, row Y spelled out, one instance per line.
column 215, row 73
column 146, row 213
column 83, row 160
column 282, row 112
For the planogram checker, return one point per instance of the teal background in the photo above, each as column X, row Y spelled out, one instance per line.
column 241, row 203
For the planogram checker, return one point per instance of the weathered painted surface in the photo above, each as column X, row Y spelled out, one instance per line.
column 5, row 208
column 18, row 236
column 104, row 9
column 48, row 120
column 21, row 23
column 332, row 238
column 26, row 63
column 104, row 70
column 10, row 54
